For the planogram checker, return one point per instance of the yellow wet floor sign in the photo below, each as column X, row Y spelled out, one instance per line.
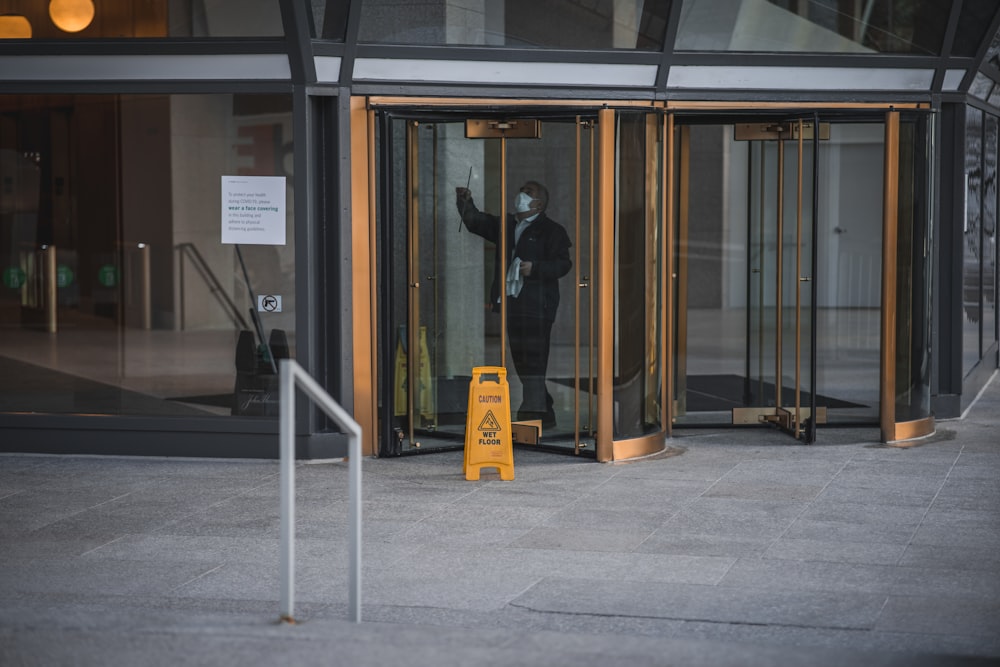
column 487, row 426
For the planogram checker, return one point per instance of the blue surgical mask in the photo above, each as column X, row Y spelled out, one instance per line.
column 523, row 202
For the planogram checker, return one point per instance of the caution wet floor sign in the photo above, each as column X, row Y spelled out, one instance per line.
column 487, row 426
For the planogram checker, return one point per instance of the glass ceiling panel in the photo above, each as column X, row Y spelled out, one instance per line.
column 973, row 23
column 329, row 18
column 814, row 26
column 557, row 24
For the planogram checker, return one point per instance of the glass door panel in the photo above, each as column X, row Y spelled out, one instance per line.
column 638, row 276
column 446, row 184
column 745, row 274
column 779, row 246
column 711, row 265
column 439, row 276
column 849, row 270
column 907, row 382
column 779, row 280
column 556, row 387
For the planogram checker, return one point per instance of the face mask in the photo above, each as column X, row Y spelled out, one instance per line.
column 523, row 202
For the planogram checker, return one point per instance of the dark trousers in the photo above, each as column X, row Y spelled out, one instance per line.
column 529, row 339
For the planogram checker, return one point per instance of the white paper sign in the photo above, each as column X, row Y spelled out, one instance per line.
column 253, row 210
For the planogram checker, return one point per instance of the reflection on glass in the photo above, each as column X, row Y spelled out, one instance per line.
column 896, row 26
column 979, row 266
column 913, row 273
column 992, row 56
column 154, row 18
column 972, row 242
column 989, row 224
column 118, row 297
column 601, row 24
column 637, row 384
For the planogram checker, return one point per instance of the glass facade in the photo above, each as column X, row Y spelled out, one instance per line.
column 149, row 211
column 329, row 19
column 828, row 26
column 132, row 285
column 979, row 247
column 600, row 24
column 989, row 226
column 972, row 241
column 982, row 86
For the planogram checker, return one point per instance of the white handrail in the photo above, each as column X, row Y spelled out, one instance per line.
column 290, row 376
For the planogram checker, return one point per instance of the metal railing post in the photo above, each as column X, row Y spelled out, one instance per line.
column 292, row 376
column 286, row 431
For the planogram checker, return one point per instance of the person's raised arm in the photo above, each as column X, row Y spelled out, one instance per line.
column 477, row 222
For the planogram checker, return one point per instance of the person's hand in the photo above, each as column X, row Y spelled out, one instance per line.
column 525, row 268
column 463, row 193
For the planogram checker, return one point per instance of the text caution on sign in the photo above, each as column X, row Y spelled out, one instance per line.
column 487, row 427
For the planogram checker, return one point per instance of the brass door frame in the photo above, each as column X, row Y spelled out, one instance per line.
column 606, row 127
column 891, row 429
column 364, row 287
column 363, row 235
column 585, row 276
column 658, row 215
column 669, row 275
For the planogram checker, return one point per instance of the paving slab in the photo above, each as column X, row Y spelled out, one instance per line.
column 732, row 548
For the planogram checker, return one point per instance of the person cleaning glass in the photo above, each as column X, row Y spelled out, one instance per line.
column 537, row 257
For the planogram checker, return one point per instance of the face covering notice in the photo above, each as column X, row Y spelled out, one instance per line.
column 253, row 210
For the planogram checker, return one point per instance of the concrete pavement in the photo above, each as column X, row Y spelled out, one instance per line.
column 738, row 548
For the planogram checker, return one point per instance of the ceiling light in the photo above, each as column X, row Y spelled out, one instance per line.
column 71, row 15
column 14, row 27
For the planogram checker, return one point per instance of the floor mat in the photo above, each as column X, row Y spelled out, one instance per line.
column 712, row 393
column 723, row 392
column 40, row 389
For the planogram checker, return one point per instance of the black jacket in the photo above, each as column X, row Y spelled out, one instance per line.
column 544, row 243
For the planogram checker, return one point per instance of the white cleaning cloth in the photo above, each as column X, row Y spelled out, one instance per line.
column 515, row 281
